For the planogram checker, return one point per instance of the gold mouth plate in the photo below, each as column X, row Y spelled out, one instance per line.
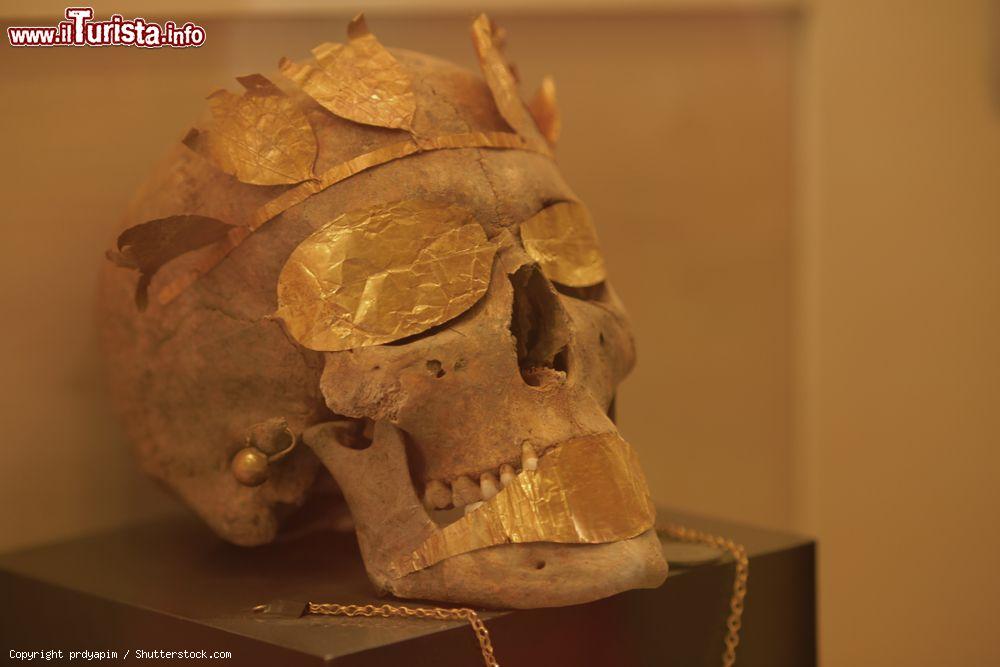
column 588, row 490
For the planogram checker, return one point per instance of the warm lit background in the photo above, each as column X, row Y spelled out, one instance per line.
column 800, row 205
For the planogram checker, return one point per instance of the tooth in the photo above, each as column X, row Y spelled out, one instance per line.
column 507, row 474
column 437, row 495
column 488, row 485
column 529, row 460
column 465, row 491
column 473, row 506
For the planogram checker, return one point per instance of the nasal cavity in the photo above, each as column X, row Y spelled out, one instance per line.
column 540, row 328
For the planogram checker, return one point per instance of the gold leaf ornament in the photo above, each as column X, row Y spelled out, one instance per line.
column 500, row 77
column 260, row 137
column 377, row 275
column 562, row 239
column 360, row 81
column 545, row 111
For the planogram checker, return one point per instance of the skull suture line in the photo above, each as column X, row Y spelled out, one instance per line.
column 421, row 303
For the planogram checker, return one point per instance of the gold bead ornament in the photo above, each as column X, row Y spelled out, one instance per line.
column 251, row 465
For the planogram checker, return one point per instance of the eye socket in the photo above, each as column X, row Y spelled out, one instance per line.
column 384, row 274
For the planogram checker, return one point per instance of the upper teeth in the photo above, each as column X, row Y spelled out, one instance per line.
column 507, row 474
column 465, row 492
column 528, row 457
column 488, row 485
column 437, row 495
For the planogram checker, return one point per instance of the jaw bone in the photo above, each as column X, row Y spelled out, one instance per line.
column 408, row 555
column 376, row 484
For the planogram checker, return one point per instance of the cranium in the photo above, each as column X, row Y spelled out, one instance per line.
column 506, row 402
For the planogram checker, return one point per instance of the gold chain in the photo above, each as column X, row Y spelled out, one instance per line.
column 435, row 613
column 734, row 622
column 739, row 553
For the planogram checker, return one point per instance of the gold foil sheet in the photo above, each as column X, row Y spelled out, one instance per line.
column 588, row 490
column 374, row 276
column 260, row 137
column 334, row 175
column 562, row 239
column 360, row 80
column 500, row 77
column 148, row 246
column 545, row 111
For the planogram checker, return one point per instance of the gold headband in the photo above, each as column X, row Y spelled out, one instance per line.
column 334, row 175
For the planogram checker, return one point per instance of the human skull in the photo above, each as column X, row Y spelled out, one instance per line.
column 216, row 389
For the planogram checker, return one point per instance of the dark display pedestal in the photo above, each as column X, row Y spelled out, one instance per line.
column 170, row 585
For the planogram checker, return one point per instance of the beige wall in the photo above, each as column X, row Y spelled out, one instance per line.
column 898, row 444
